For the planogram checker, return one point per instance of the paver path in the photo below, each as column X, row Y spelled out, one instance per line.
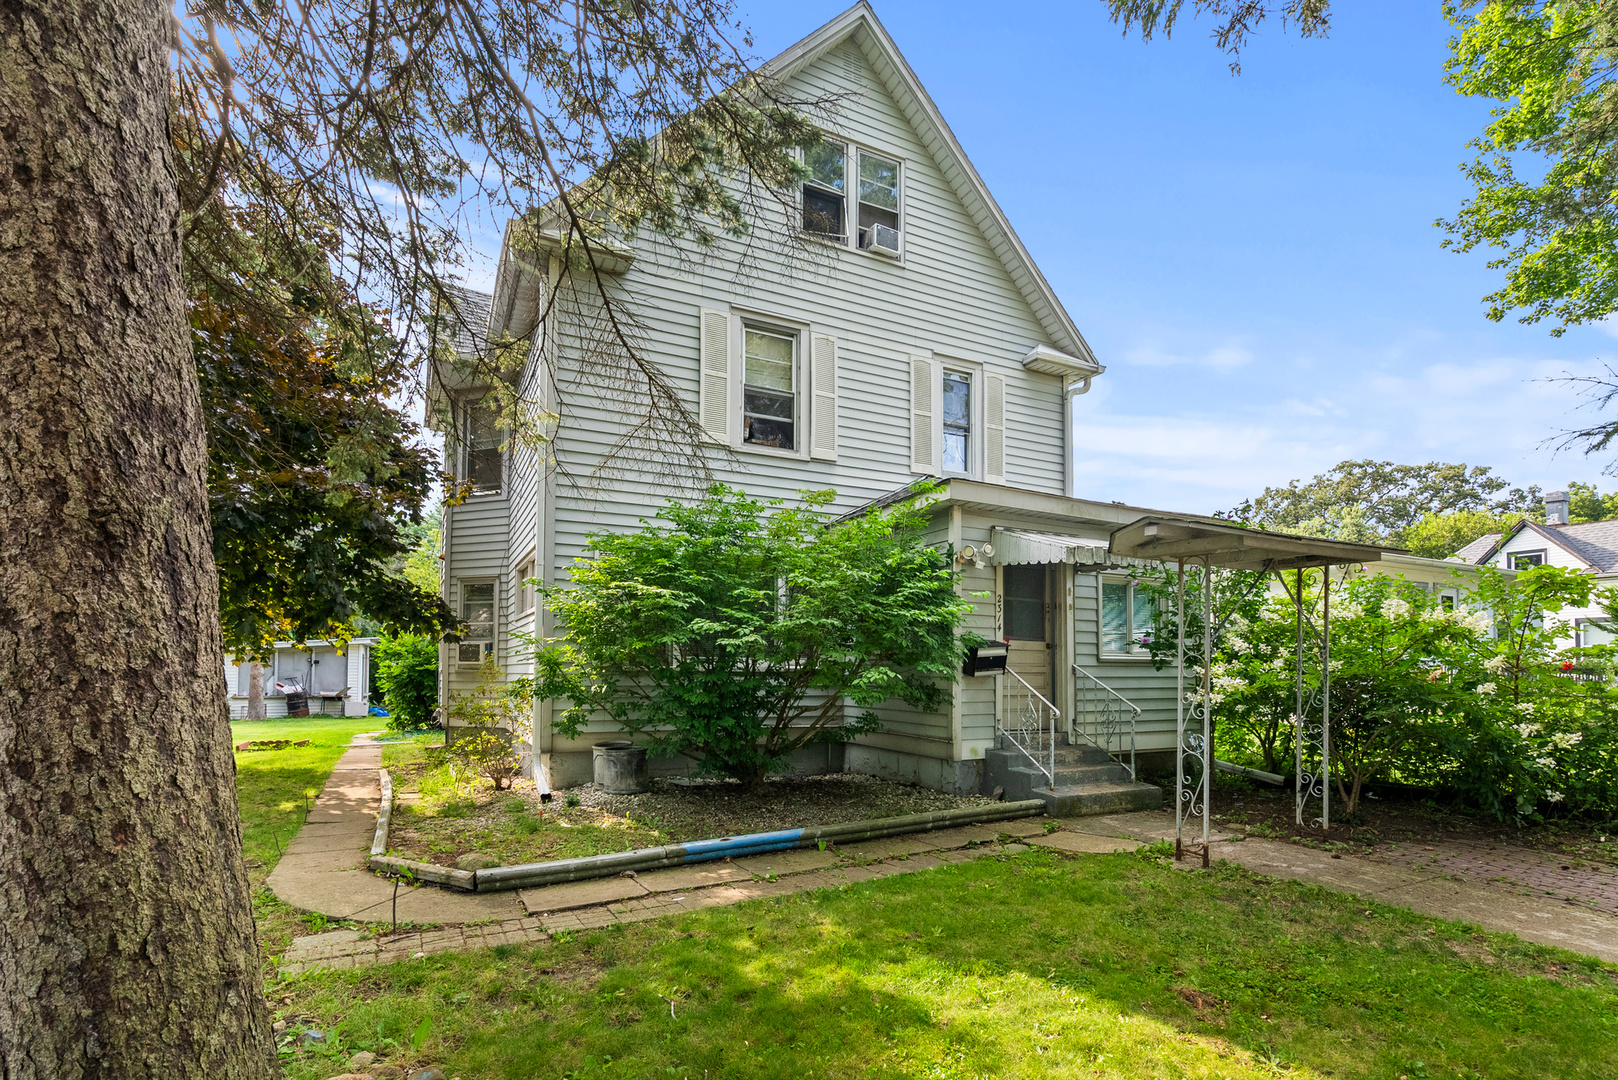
column 1448, row 881
column 322, row 870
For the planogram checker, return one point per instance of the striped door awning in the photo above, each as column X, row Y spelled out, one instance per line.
column 1021, row 547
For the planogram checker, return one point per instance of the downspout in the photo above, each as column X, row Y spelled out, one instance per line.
column 1071, row 388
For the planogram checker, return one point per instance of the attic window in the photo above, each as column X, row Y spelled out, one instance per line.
column 879, row 204
column 1522, row 560
column 825, row 191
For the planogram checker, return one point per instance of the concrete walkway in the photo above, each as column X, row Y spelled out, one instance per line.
column 323, row 868
column 322, row 871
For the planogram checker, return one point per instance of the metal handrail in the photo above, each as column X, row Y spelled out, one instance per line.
column 1134, row 717
column 1055, row 714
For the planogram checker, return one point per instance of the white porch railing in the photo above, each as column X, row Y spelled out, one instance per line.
column 1103, row 716
column 1030, row 725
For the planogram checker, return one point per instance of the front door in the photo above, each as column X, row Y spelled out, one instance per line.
column 1027, row 626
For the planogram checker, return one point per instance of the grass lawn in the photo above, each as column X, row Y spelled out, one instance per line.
column 272, row 787
column 444, row 812
column 1036, row 965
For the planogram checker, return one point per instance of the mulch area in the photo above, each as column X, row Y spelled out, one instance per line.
column 1573, row 861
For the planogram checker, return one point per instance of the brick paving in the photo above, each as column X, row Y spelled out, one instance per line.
column 1525, row 871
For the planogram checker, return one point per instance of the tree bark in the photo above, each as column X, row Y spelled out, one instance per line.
column 126, row 928
column 255, row 691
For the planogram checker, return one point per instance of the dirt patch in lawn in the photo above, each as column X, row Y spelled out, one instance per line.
column 442, row 816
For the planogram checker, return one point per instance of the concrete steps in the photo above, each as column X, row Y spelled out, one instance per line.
column 1088, row 781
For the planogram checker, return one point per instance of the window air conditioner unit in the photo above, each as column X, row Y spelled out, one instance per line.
column 883, row 239
column 473, row 652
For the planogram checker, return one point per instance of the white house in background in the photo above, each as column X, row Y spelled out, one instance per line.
column 336, row 677
column 1591, row 547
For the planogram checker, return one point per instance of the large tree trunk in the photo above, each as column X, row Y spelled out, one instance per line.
column 126, row 929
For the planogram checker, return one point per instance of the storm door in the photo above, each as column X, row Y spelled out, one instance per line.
column 1027, row 615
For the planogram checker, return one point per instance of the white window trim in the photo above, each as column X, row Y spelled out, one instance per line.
column 528, row 558
column 849, row 241
column 1543, row 553
column 493, row 644
column 974, row 444
column 1142, row 654
column 803, row 393
column 463, row 450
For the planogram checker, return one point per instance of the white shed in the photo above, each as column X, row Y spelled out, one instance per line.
column 337, row 678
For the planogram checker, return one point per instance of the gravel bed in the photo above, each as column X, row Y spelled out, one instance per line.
column 708, row 809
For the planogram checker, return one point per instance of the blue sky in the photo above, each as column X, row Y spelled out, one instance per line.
column 1252, row 257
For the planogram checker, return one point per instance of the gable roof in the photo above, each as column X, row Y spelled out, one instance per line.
column 888, row 64
column 1594, row 543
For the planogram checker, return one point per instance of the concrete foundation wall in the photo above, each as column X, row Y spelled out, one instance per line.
column 566, row 769
column 957, row 777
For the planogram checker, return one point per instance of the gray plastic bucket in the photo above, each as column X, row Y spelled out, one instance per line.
column 620, row 767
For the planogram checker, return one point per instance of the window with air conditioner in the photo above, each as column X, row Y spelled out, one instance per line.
column 478, row 613
column 825, row 194
column 879, row 204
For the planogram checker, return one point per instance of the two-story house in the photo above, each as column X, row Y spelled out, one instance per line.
column 921, row 340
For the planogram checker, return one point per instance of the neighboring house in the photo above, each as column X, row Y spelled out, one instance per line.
column 1591, row 547
column 337, row 678
column 922, row 341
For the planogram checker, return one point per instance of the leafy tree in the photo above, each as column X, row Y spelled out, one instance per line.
column 1586, row 503
column 735, row 633
column 1386, row 497
column 311, row 473
column 1546, row 170
column 1235, row 20
column 145, row 144
column 1438, row 536
column 407, row 675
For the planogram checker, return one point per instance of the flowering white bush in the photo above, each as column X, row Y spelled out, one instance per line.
column 1396, row 608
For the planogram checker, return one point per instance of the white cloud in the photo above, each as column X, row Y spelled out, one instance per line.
column 1194, row 447
column 1227, row 357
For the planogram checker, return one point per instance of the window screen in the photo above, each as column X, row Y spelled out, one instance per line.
column 477, row 608
column 879, row 193
column 1025, row 603
column 1114, row 616
column 1143, row 614
column 482, row 449
column 824, row 190
column 957, row 422
column 769, row 388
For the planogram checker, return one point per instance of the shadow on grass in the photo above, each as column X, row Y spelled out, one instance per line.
column 1040, row 965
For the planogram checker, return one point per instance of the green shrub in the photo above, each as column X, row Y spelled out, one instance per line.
column 735, row 634
column 407, row 675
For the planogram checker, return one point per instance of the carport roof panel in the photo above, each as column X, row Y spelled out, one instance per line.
column 1233, row 547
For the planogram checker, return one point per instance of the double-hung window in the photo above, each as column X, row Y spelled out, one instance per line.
column 877, row 191
column 477, row 611
column 1128, row 612
column 825, row 191
column 481, row 448
column 957, row 422
column 769, row 387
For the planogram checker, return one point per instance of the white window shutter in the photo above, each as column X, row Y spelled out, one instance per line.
column 994, row 429
column 714, row 407
column 923, row 435
column 823, row 379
